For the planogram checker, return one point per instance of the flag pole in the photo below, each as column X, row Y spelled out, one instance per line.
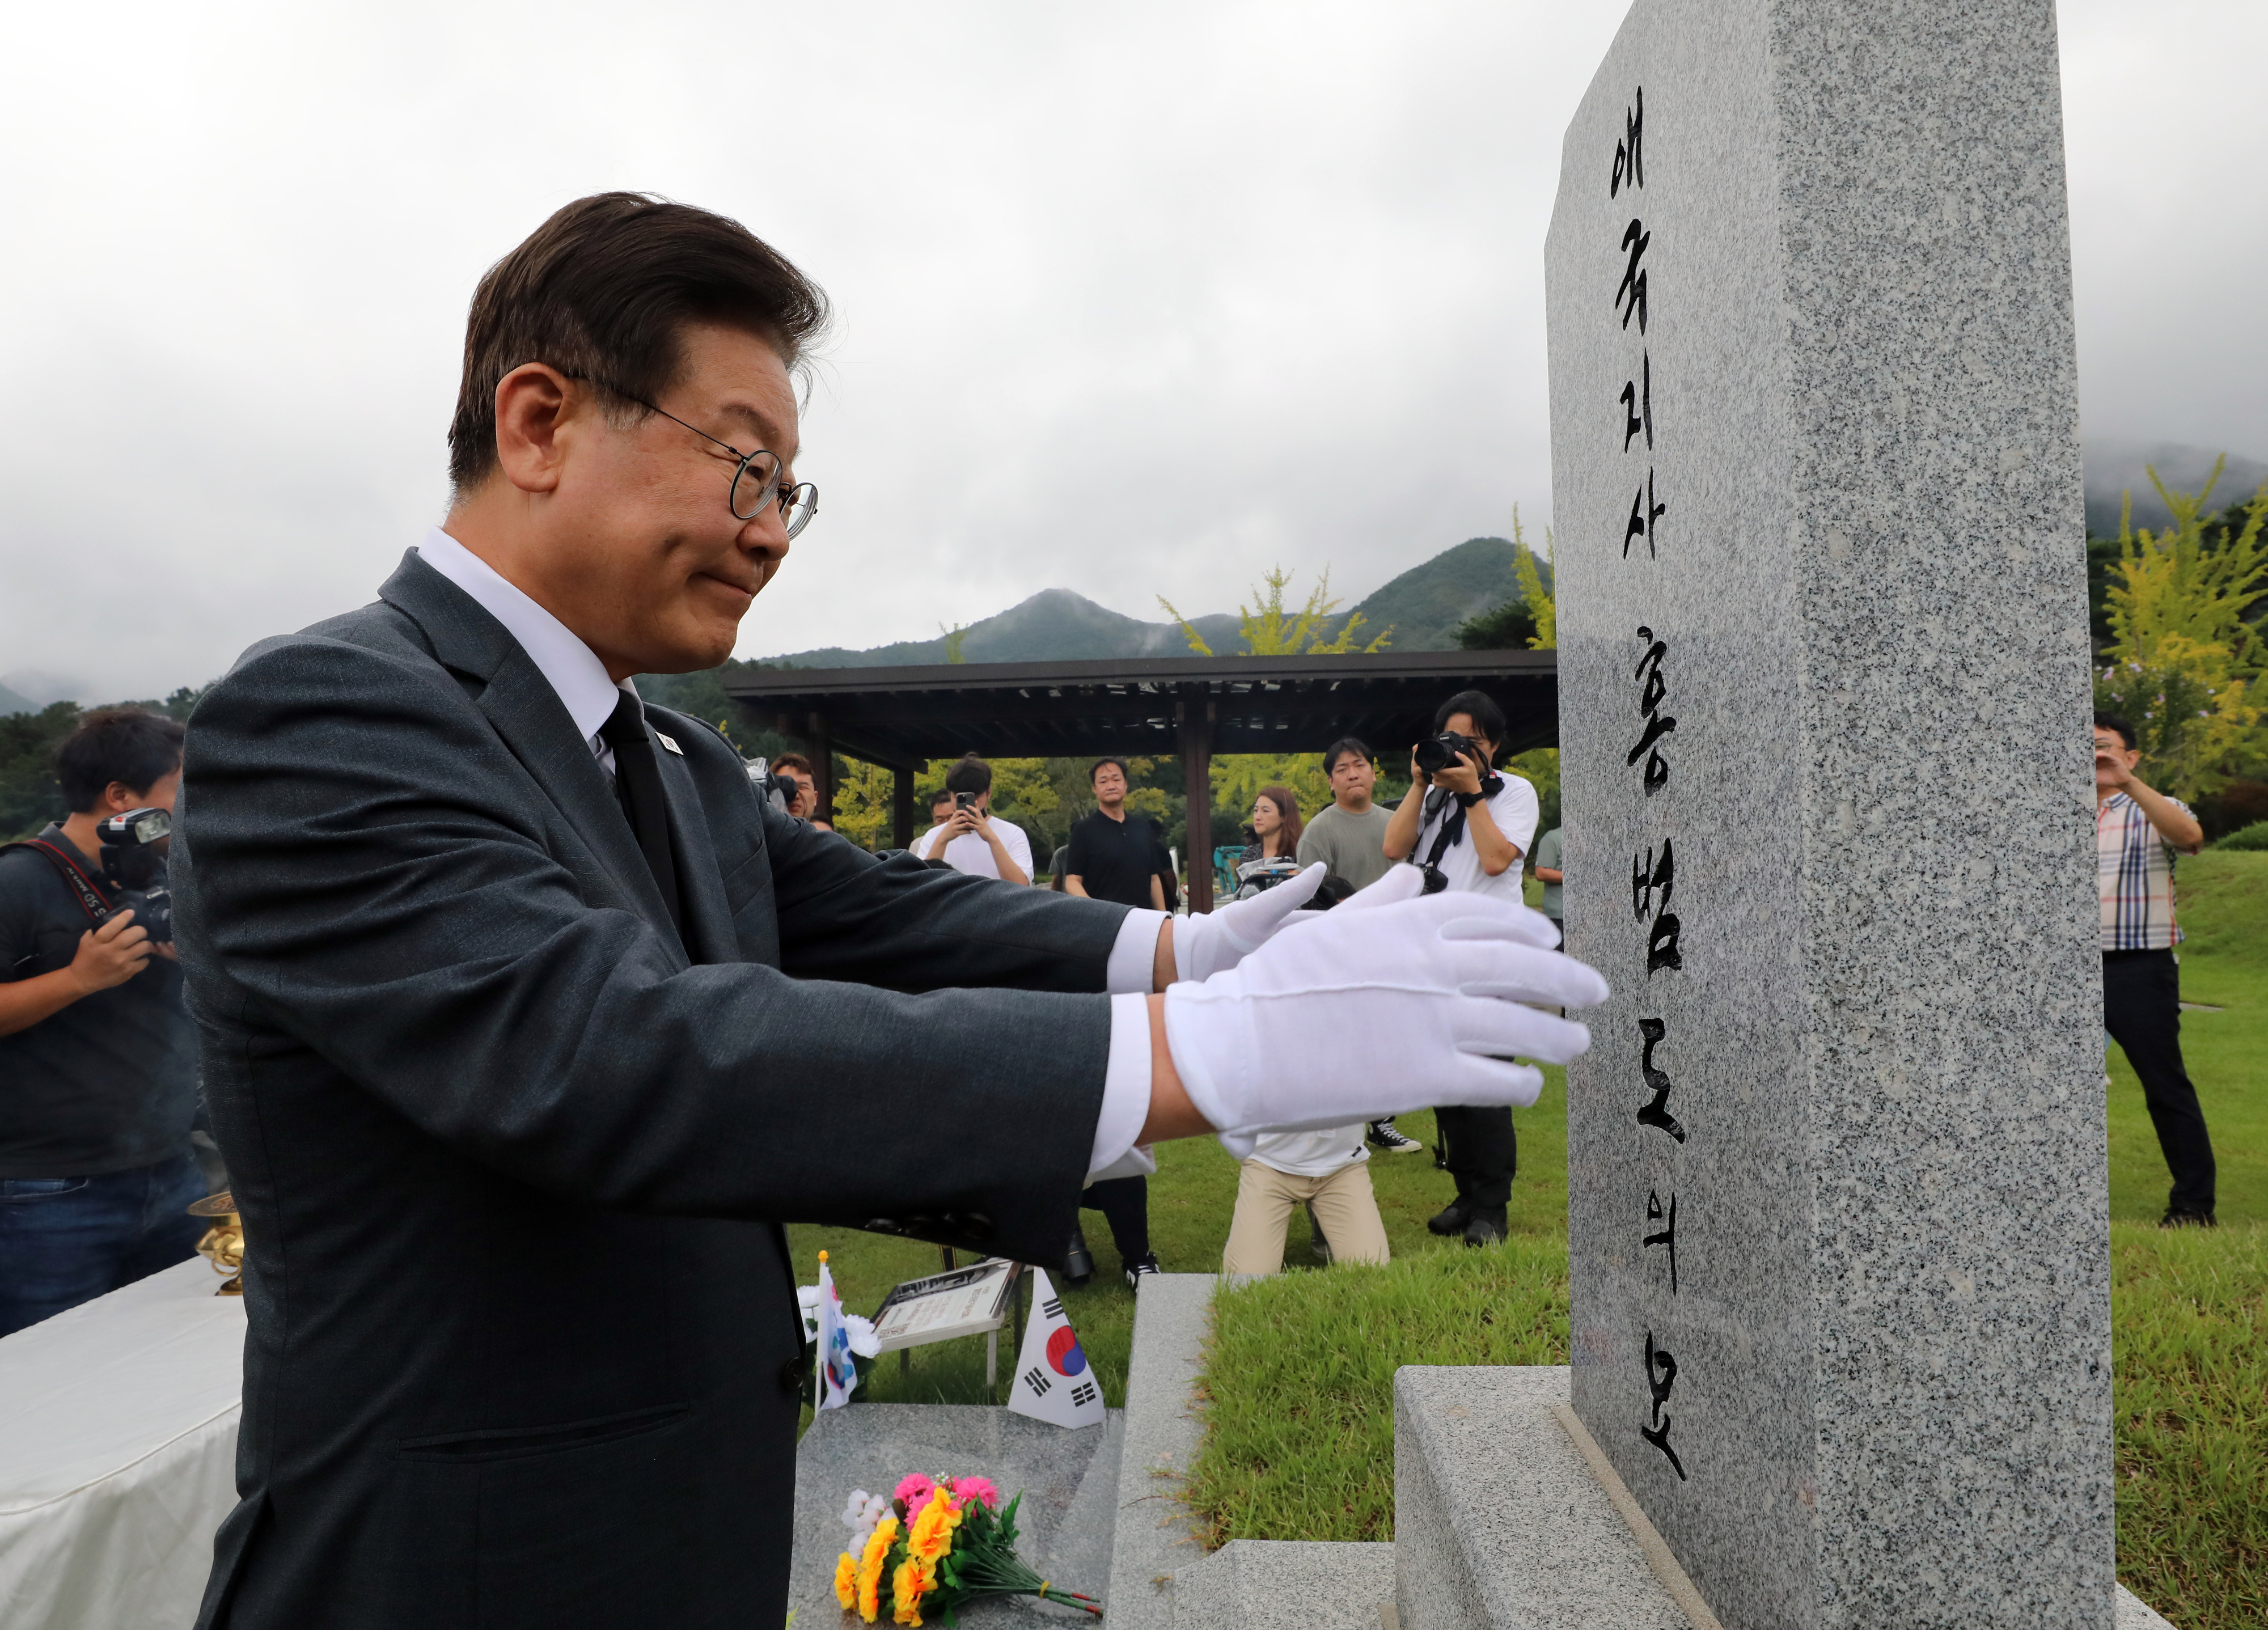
column 819, row 1366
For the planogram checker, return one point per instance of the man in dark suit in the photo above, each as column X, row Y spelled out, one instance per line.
column 506, row 982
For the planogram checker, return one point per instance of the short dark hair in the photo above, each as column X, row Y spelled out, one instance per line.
column 1344, row 744
column 602, row 291
column 129, row 745
column 944, row 795
column 1487, row 717
column 2112, row 722
column 968, row 774
column 793, row 761
column 1095, row 768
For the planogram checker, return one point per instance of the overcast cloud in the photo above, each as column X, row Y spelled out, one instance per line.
column 1132, row 300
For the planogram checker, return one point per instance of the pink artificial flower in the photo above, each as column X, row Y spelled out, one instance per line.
column 914, row 1490
column 977, row 1488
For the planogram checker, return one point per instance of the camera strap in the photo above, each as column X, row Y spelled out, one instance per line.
column 91, row 898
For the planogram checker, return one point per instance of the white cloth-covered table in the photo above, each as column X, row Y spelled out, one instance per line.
column 118, row 1455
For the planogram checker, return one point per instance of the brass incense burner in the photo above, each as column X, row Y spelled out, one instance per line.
column 223, row 1244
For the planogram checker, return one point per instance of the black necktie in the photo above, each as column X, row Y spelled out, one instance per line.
column 637, row 786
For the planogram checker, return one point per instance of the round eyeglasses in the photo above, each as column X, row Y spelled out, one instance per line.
column 755, row 479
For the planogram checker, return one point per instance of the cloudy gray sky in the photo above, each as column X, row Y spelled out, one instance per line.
column 1133, row 299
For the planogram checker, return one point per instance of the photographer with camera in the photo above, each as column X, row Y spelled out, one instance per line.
column 970, row 839
column 98, row 1056
column 1465, row 825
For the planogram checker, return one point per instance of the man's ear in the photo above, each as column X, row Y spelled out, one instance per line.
column 532, row 403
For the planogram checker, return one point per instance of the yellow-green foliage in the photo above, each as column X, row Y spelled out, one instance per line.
column 2184, row 664
column 1539, row 600
column 1271, row 630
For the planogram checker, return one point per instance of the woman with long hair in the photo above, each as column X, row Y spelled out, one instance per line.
column 1273, row 854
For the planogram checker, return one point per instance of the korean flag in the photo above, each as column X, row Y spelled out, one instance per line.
column 1054, row 1381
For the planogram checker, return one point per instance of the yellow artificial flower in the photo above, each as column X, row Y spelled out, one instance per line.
column 870, row 1567
column 846, row 1579
column 907, row 1585
column 931, row 1535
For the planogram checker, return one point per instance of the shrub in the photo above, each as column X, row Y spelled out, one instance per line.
column 2252, row 837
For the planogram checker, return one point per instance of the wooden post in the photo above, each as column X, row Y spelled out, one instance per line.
column 1193, row 716
column 822, row 765
column 902, row 808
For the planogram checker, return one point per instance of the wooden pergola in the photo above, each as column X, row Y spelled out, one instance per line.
column 1192, row 707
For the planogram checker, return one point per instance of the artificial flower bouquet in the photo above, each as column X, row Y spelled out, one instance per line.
column 936, row 1545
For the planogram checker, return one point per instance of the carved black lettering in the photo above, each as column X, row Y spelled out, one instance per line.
column 1629, row 156
column 1661, row 1376
column 1655, row 1112
column 1667, row 1234
column 1630, row 294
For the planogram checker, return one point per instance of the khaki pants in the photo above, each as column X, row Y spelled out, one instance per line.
column 1265, row 1198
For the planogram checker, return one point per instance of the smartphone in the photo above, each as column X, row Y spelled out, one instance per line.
column 964, row 800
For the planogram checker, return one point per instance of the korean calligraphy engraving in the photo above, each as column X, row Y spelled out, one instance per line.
column 1630, row 300
column 1658, row 723
column 1661, row 1376
column 1654, row 868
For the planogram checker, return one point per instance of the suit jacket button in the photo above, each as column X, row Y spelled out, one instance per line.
column 795, row 1376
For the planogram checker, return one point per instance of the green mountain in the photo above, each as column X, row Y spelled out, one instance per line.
column 1423, row 605
column 11, row 702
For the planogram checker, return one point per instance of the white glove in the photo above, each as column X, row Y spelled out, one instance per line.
column 1392, row 1002
column 1205, row 946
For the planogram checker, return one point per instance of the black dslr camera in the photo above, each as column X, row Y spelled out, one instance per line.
column 774, row 788
column 134, row 863
column 1436, row 753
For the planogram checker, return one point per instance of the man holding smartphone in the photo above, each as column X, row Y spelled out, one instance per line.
column 2137, row 831
column 970, row 839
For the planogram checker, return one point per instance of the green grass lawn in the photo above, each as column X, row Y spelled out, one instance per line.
column 1300, row 1418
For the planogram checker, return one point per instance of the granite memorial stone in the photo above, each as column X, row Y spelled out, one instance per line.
column 1838, row 1204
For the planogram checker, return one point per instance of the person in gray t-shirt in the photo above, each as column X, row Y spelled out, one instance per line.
column 1350, row 836
column 1548, row 874
column 1349, row 839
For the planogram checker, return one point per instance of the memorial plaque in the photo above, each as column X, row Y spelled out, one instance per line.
column 1836, row 1197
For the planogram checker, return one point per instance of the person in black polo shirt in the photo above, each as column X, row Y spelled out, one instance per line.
column 1116, row 855
column 1113, row 856
column 98, row 1057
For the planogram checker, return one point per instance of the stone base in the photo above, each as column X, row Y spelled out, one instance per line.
column 1499, row 1521
column 1285, row 1585
column 1069, row 1479
column 1154, row 1540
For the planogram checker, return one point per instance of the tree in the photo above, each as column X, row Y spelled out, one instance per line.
column 1271, row 630
column 953, row 637
column 1529, row 622
column 2183, row 663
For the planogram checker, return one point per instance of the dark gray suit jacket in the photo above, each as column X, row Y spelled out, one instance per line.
column 513, row 1160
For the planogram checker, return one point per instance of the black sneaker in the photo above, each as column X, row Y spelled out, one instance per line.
column 1382, row 1135
column 1486, row 1228
column 1143, row 1265
column 1451, row 1220
column 2187, row 1219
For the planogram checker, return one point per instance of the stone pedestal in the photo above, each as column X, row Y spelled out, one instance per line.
column 1836, row 1200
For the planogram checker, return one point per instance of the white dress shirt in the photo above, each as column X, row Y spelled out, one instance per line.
column 590, row 697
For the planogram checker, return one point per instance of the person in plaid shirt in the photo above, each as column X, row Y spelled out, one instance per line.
column 2137, row 833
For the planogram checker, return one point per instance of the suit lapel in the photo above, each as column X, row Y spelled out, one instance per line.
column 527, row 713
column 708, row 936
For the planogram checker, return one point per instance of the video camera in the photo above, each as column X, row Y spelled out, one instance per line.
column 134, row 863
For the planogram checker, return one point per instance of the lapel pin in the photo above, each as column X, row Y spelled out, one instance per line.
column 672, row 745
